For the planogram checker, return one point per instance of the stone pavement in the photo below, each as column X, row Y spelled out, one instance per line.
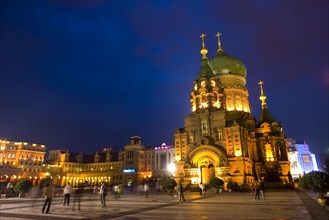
column 278, row 205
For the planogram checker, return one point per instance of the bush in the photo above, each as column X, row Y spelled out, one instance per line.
column 169, row 184
column 45, row 181
column 316, row 181
column 230, row 185
column 23, row 186
column 216, row 183
column 235, row 186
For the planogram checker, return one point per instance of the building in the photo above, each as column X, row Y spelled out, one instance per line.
column 133, row 166
column 220, row 137
column 306, row 159
column 22, row 160
column 90, row 169
column 301, row 159
column 295, row 166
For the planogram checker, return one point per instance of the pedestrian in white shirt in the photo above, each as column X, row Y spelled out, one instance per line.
column 67, row 193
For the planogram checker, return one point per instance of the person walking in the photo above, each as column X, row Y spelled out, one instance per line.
column 146, row 190
column 261, row 189
column 257, row 191
column 67, row 193
column 95, row 189
column 115, row 191
column 77, row 198
column 48, row 194
column 202, row 189
column 103, row 193
column 180, row 191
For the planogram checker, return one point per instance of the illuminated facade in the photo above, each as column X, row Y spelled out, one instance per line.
column 142, row 163
column 91, row 169
column 301, row 159
column 220, row 137
column 306, row 158
column 21, row 160
column 129, row 167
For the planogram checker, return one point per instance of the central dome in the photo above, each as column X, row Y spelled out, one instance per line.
column 223, row 63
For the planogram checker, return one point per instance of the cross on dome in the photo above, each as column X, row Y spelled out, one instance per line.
column 203, row 50
column 219, row 43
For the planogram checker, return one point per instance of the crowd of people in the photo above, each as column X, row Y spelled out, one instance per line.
column 49, row 190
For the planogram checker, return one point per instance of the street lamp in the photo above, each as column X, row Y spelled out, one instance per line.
column 171, row 168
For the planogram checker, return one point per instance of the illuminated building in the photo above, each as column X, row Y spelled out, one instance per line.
column 295, row 167
column 129, row 167
column 142, row 163
column 306, row 159
column 91, row 169
column 221, row 137
column 21, row 160
column 301, row 159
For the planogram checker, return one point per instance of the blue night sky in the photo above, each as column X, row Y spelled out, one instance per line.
column 82, row 75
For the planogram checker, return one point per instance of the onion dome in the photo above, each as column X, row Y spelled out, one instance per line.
column 223, row 63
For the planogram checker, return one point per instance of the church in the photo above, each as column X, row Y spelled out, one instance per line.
column 220, row 137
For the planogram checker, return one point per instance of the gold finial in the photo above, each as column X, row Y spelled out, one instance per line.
column 203, row 50
column 219, row 43
column 262, row 97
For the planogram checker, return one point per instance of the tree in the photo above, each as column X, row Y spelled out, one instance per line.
column 217, row 183
column 316, row 181
column 23, row 186
column 169, row 184
column 45, row 181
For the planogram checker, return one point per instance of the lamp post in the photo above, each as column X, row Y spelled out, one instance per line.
column 172, row 168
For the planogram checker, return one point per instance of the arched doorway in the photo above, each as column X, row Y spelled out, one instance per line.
column 207, row 173
column 207, row 158
column 271, row 172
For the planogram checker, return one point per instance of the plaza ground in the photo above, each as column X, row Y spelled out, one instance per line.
column 278, row 205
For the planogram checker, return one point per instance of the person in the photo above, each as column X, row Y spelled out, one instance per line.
column 202, row 189
column 115, row 192
column 67, row 193
column 146, row 190
column 261, row 189
column 103, row 193
column 180, row 191
column 157, row 187
column 48, row 194
column 77, row 198
column 95, row 189
column 256, row 191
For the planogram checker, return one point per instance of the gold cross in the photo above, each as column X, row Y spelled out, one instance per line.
column 219, row 43
column 218, row 35
column 261, row 87
column 202, row 37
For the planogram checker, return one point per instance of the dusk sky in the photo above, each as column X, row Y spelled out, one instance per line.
column 83, row 75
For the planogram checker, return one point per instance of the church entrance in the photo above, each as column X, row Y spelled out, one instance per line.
column 207, row 173
column 271, row 172
column 272, row 176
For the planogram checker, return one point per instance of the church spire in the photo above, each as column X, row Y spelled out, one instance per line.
column 262, row 97
column 203, row 50
column 220, row 49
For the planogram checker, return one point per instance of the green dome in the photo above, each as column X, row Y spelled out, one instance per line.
column 222, row 63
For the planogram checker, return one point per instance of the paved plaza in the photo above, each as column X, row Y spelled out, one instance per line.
column 278, row 205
